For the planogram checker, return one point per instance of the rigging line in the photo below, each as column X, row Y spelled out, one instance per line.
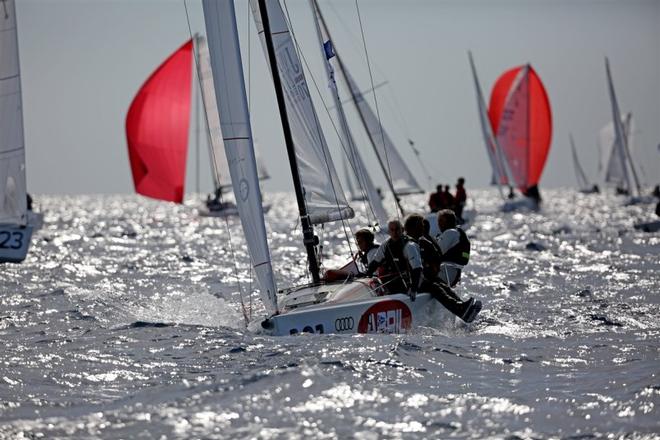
column 318, row 129
column 371, row 78
column 206, row 116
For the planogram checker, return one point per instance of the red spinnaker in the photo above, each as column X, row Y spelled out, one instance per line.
column 521, row 119
column 157, row 128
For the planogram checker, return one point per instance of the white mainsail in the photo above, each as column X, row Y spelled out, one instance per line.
column 222, row 177
column 225, row 56
column 13, row 202
column 355, row 162
column 497, row 162
column 513, row 131
column 324, row 196
column 619, row 131
column 398, row 172
column 612, row 168
column 583, row 182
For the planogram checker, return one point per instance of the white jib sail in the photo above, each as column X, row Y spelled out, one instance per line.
column 583, row 182
column 513, row 130
column 402, row 178
column 220, row 166
column 492, row 148
column 13, row 204
column 231, row 100
column 324, row 195
column 613, row 167
column 619, row 130
column 355, row 161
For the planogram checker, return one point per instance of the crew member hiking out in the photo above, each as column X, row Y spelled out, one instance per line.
column 454, row 248
column 367, row 248
column 401, row 256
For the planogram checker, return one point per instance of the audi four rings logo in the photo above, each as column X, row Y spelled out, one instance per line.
column 343, row 324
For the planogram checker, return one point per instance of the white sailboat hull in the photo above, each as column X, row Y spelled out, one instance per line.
column 523, row 203
column 355, row 308
column 14, row 243
column 227, row 211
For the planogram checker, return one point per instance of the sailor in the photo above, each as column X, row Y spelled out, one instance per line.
column 448, row 198
column 533, row 193
column 367, row 248
column 435, row 199
column 460, row 199
column 403, row 253
column 454, row 248
column 29, row 201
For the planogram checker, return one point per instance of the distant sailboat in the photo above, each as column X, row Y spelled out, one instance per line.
column 16, row 224
column 521, row 119
column 583, row 183
column 318, row 307
column 157, row 125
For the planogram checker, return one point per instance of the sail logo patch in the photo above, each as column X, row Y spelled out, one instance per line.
column 390, row 316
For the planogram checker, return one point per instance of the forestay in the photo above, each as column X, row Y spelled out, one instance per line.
column 355, row 162
column 231, row 101
column 324, row 196
column 13, row 206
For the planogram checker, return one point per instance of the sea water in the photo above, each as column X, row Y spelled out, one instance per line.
column 128, row 320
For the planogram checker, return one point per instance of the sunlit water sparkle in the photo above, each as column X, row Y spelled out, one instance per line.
column 125, row 321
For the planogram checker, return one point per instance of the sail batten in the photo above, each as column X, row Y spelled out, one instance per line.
column 231, row 101
column 157, row 128
column 13, row 206
column 324, row 197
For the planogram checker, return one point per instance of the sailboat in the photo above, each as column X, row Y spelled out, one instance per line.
column 157, row 126
column 16, row 224
column 519, row 132
column 583, row 183
column 621, row 159
column 345, row 307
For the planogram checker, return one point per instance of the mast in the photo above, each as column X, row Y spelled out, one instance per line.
column 309, row 239
column 196, row 106
column 354, row 98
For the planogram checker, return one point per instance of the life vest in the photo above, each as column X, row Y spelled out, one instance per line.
column 430, row 257
column 396, row 262
column 363, row 256
column 460, row 253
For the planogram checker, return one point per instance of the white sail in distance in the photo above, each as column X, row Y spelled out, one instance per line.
column 619, row 130
column 612, row 168
column 220, row 167
column 324, row 196
column 13, row 201
column 583, row 182
column 355, row 162
column 227, row 69
column 495, row 157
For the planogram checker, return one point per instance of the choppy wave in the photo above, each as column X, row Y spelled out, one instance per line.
column 128, row 319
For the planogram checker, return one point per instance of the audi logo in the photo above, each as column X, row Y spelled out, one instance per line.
column 343, row 324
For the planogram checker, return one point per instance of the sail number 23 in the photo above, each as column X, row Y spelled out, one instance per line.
column 11, row 239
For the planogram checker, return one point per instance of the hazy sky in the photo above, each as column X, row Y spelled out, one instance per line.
column 82, row 62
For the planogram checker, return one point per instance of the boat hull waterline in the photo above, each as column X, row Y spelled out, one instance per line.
column 395, row 313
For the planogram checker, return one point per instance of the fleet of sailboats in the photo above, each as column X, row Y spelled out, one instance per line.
column 516, row 127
